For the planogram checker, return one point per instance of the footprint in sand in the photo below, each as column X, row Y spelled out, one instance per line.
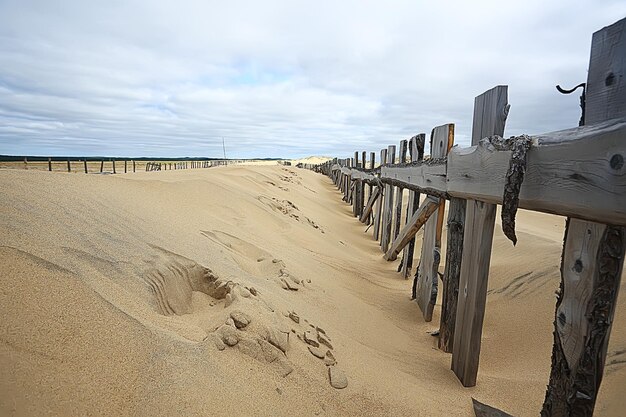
column 256, row 261
column 288, row 208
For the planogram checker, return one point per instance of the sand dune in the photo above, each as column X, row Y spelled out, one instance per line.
column 230, row 291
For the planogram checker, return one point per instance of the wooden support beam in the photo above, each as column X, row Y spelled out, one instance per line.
column 427, row 276
column 399, row 191
column 416, row 221
column 416, row 150
column 370, row 205
column 379, row 206
column 387, row 209
column 593, row 255
column 490, row 112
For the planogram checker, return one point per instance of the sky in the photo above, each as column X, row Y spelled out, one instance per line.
column 280, row 78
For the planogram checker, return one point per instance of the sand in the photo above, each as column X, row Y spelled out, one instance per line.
column 205, row 292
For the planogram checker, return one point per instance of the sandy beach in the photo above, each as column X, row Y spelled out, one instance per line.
column 195, row 292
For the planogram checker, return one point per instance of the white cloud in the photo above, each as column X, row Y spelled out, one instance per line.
column 279, row 78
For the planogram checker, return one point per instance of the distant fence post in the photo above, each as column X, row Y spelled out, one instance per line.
column 101, row 165
column 85, row 164
column 69, row 168
column 49, row 164
column 133, row 165
column 125, row 166
column 113, row 160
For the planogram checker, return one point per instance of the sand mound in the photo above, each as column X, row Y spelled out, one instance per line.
column 247, row 290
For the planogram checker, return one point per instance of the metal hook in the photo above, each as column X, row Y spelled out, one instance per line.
column 582, row 99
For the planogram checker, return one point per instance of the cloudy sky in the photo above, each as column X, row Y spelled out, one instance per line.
column 280, row 78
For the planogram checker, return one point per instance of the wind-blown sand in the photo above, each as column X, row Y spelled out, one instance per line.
column 113, row 293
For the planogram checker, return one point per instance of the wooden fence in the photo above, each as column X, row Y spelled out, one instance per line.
column 578, row 173
column 115, row 165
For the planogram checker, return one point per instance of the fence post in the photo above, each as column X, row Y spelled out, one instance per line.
column 593, row 257
column 49, row 164
column 125, row 166
column 113, row 160
column 416, row 151
column 399, row 190
column 379, row 204
column 133, row 165
column 387, row 209
column 355, row 194
column 69, row 168
column 427, row 277
column 490, row 112
column 101, row 165
column 85, row 164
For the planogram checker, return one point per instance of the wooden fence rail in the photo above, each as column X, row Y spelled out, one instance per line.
column 578, row 173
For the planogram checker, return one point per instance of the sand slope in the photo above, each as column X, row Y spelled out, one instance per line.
column 116, row 291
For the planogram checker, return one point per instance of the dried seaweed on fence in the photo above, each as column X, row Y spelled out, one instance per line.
column 519, row 145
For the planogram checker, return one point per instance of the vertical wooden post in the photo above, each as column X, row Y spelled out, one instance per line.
column 593, row 256
column 85, row 164
column 49, row 164
column 355, row 193
column 102, row 165
column 25, row 162
column 388, row 207
column 427, row 278
column 69, row 168
column 362, row 185
column 416, row 150
column 399, row 191
column 379, row 204
column 372, row 166
column 133, row 165
column 113, row 160
column 490, row 112
column 125, row 166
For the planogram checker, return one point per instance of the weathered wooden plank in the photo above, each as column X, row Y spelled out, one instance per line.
column 452, row 273
column 484, row 410
column 477, row 242
column 379, row 206
column 416, row 150
column 355, row 196
column 399, row 191
column 428, row 177
column 370, row 205
column 362, row 187
column 410, row 229
column 427, row 272
column 490, row 112
column 593, row 257
column 387, row 209
column 605, row 92
column 576, row 172
column 371, row 187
